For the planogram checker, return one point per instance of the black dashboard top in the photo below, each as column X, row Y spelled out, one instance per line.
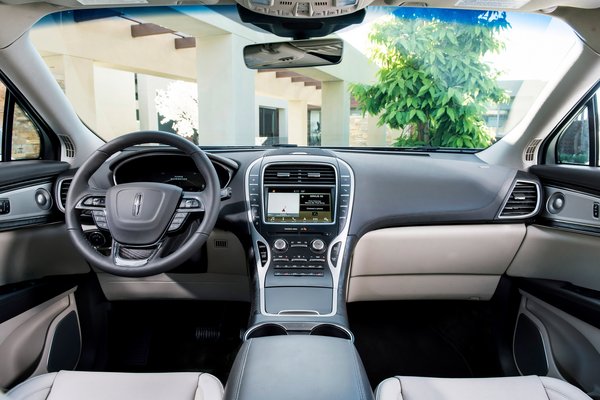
column 392, row 189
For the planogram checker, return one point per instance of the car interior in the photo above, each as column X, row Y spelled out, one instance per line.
column 299, row 199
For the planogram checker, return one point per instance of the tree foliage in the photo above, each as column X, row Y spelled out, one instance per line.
column 432, row 82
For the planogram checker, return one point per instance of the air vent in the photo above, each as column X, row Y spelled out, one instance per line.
column 285, row 3
column 69, row 146
column 523, row 201
column 531, row 148
column 221, row 243
column 316, row 174
column 63, row 189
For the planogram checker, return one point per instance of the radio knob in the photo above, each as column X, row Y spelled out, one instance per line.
column 317, row 245
column 280, row 245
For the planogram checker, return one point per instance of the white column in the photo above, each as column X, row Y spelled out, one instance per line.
column 115, row 102
column 335, row 114
column 298, row 122
column 78, row 83
column 225, row 91
column 376, row 134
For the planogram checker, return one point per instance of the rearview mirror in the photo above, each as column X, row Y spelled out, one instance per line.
column 294, row 54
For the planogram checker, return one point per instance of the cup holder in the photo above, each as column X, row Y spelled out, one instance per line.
column 331, row 331
column 266, row 330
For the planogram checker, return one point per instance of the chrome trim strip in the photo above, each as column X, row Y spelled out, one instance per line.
column 571, row 195
column 341, row 238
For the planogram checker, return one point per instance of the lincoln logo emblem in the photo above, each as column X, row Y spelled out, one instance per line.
column 137, row 204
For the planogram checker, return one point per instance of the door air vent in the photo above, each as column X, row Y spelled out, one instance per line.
column 63, row 189
column 68, row 145
column 523, row 202
column 531, row 148
column 316, row 174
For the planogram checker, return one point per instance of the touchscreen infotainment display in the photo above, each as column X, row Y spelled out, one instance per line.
column 289, row 205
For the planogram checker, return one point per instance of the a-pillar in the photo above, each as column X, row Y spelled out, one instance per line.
column 225, row 91
column 335, row 114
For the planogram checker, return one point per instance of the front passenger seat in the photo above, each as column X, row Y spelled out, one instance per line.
column 509, row 388
column 76, row 385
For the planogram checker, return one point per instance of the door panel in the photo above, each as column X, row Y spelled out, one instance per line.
column 571, row 346
column 39, row 324
column 27, row 339
column 558, row 272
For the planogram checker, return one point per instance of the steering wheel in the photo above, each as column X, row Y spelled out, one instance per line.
column 142, row 217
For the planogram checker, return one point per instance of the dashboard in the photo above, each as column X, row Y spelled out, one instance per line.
column 316, row 228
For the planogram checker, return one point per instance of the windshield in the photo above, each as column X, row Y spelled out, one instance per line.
column 409, row 77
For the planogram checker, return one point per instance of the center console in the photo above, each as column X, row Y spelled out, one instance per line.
column 298, row 345
column 300, row 207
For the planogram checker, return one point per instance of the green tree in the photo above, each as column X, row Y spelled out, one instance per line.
column 432, row 82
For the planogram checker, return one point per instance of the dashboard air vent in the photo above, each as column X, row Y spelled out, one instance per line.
column 523, row 201
column 63, row 189
column 316, row 174
column 69, row 146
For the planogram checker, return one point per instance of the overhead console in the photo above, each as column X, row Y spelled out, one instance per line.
column 299, row 209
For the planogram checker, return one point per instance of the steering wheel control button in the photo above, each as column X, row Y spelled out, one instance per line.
column 317, row 245
column 100, row 219
column 98, row 201
column 178, row 220
column 189, row 203
column 280, row 245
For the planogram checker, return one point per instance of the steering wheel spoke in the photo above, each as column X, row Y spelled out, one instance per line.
column 133, row 256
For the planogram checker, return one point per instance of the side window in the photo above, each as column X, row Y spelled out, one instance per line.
column 26, row 140
column 577, row 140
column 21, row 139
column 573, row 146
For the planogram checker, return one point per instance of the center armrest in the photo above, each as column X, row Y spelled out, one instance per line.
column 298, row 367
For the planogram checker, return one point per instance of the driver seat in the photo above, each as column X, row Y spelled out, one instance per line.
column 77, row 385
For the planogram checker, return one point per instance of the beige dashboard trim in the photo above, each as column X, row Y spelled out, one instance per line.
column 422, row 287
column 433, row 262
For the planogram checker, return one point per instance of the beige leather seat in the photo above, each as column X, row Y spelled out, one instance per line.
column 70, row 385
column 510, row 388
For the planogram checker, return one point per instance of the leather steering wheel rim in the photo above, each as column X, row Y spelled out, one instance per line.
column 80, row 189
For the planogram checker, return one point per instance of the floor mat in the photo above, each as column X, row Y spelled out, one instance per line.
column 438, row 339
column 176, row 336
